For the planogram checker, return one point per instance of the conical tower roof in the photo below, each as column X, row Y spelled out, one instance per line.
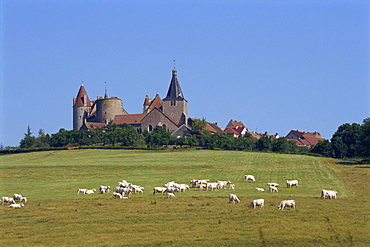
column 82, row 99
column 146, row 101
column 174, row 91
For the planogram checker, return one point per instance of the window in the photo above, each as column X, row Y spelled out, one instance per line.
column 173, row 103
column 150, row 128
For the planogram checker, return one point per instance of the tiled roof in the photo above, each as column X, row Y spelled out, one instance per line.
column 128, row 119
column 80, row 99
column 156, row 103
column 147, row 100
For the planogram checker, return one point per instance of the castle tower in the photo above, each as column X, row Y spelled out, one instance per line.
column 175, row 106
column 107, row 108
column 81, row 108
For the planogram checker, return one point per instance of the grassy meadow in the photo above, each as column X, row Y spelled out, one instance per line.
column 55, row 216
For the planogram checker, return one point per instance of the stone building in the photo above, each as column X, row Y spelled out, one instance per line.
column 170, row 112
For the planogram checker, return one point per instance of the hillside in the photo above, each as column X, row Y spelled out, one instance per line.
column 50, row 181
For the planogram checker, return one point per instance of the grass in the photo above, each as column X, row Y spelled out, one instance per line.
column 56, row 216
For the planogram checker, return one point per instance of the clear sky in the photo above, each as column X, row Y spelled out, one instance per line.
column 274, row 65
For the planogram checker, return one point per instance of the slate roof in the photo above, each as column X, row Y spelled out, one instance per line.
column 174, row 91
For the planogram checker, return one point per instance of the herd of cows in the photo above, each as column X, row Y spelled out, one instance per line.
column 125, row 189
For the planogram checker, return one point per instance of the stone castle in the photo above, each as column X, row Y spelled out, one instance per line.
column 170, row 112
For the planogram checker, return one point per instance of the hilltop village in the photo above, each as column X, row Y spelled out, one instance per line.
column 170, row 112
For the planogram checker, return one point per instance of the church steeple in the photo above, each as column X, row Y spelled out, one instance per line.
column 174, row 91
column 175, row 106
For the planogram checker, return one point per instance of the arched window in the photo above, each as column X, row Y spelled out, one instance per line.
column 164, row 126
column 150, row 128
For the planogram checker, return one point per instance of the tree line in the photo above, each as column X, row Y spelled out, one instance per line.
column 349, row 141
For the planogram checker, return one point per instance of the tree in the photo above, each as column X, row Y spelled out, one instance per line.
column 264, row 144
column 324, row 148
column 365, row 138
column 348, row 138
column 339, row 147
column 199, row 125
column 43, row 140
column 28, row 141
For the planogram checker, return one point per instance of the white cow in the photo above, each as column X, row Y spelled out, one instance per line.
column 273, row 184
column 170, row 184
column 6, row 199
column 249, row 177
column 201, row 186
column 16, row 205
column 171, row 190
column 182, row 187
column 212, row 186
column 17, row 197
column 81, row 191
column 92, row 191
column 291, row 183
column 137, row 189
column 223, row 184
column 233, row 199
column 260, row 189
column 273, row 189
column 232, row 187
column 329, row 194
column 159, row 190
column 117, row 195
column 257, row 202
column 104, row 189
column 286, row 203
column 170, row 195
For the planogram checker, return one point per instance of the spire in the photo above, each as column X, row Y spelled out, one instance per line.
column 82, row 99
column 146, row 101
column 174, row 91
column 106, row 92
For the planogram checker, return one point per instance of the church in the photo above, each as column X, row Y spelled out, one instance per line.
column 170, row 112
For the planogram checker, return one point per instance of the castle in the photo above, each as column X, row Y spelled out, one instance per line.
column 170, row 112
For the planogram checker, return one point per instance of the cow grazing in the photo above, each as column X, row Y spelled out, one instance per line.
column 257, row 202
column 273, row 189
column 249, row 177
column 159, row 190
column 273, row 184
column 17, row 197
column 81, row 191
column 233, row 199
column 329, row 194
column 286, row 203
column 223, row 184
column 291, row 183
column 212, row 186
column 232, row 187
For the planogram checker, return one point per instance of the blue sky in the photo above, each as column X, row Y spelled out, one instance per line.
column 274, row 65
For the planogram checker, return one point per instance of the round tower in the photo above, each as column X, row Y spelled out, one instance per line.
column 81, row 108
column 108, row 108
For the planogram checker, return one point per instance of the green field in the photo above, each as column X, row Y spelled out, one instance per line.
column 55, row 216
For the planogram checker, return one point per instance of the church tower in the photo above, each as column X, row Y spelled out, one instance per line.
column 175, row 106
column 81, row 108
